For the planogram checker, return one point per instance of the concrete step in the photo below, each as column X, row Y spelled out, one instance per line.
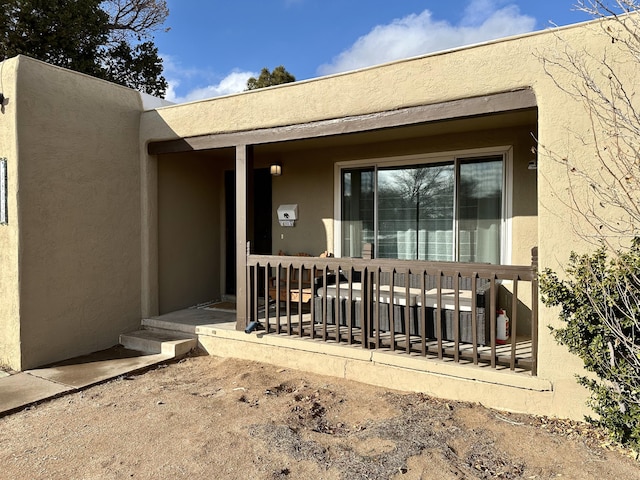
column 156, row 324
column 153, row 341
column 189, row 322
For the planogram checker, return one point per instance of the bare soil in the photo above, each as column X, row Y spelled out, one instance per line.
column 208, row 417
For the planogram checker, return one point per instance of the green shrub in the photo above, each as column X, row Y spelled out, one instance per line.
column 600, row 305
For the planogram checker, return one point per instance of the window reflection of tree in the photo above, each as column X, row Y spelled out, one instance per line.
column 480, row 210
column 415, row 210
column 413, row 199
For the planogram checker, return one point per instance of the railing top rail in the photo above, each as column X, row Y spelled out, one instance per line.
column 481, row 270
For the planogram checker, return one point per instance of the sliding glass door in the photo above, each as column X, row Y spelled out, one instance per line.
column 415, row 212
column 358, row 227
column 441, row 211
column 480, row 210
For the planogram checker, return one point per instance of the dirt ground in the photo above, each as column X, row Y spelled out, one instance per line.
column 207, row 417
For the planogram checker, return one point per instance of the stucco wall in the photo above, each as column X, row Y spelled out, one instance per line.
column 79, row 211
column 307, row 181
column 190, row 230
column 9, row 277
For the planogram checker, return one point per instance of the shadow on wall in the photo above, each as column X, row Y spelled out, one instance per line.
column 3, row 101
column 523, row 311
column 306, row 181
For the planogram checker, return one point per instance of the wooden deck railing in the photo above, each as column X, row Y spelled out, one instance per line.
column 416, row 307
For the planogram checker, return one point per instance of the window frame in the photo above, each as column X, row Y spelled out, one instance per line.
column 506, row 151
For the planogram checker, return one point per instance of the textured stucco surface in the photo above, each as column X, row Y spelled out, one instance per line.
column 79, row 210
column 191, row 230
column 9, row 245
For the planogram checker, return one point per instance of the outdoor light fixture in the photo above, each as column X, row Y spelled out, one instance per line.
column 275, row 169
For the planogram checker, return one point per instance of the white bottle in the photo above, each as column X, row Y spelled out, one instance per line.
column 502, row 327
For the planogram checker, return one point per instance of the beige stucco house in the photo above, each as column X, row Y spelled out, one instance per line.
column 115, row 211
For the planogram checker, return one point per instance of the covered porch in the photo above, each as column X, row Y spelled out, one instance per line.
column 385, row 296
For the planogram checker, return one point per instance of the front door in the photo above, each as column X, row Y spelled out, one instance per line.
column 261, row 241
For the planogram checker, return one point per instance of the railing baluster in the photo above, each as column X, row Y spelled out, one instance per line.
column 407, row 315
column 254, row 304
column 325, row 311
column 376, row 308
column 267, row 268
column 348, row 304
column 456, row 317
column 492, row 320
column 422, row 314
column 364, row 304
column 337, row 304
column 392, row 319
column 278, row 281
column 439, row 314
column 312, row 303
column 288, row 298
column 474, row 316
column 301, row 270
column 514, row 323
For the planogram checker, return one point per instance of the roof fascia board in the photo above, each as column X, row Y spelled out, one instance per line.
column 461, row 108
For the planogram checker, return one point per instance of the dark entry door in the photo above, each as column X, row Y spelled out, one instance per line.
column 261, row 241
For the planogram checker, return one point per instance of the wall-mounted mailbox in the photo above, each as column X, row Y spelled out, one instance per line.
column 287, row 215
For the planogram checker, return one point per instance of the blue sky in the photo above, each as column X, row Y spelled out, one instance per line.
column 213, row 47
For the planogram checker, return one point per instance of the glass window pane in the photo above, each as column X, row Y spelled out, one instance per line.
column 357, row 211
column 415, row 212
column 480, row 210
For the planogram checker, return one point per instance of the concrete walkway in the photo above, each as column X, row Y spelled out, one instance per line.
column 174, row 337
column 25, row 388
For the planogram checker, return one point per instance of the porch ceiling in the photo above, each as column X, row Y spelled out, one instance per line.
column 509, row 109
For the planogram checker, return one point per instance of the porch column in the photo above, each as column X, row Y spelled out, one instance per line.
column 244, row 168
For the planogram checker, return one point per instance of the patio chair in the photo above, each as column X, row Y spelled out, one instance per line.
column 279, row 291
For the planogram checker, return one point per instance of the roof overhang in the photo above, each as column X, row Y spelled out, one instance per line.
column 516, row 100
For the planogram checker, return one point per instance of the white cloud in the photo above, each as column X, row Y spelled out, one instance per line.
column 477, row 11
column 233, row 83
column 418, row 34
column 177, row 76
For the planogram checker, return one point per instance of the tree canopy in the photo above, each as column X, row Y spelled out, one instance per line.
column 107, row 39
column 609, row 209
column 278, row 76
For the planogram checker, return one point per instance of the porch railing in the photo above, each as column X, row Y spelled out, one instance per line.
column 442, row 310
